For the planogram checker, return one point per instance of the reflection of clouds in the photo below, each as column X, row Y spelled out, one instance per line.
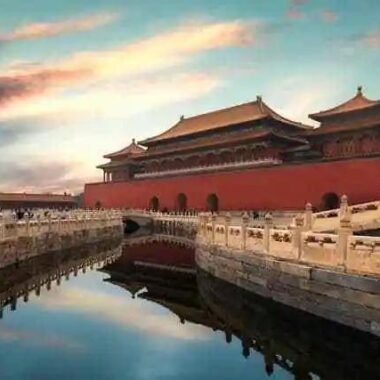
column 115, row 309
column 39, row 339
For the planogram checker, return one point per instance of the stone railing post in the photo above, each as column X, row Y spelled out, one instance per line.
column 213, row 223
column 27, row 225
column 244, row 225
column 49, row 221
column 2, row 228
column 308, row 217
column 227, row 222
column 297, row 229
column 267, row 227
column 344, row 231
column 343, row 209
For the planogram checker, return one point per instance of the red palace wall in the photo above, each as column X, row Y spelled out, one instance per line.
column 282, row 187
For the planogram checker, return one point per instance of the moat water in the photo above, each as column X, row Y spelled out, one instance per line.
column 144, row 312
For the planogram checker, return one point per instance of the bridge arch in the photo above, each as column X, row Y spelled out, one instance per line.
column 330, row 201
column 212, row 202
column 181, row 202
column 154, row 204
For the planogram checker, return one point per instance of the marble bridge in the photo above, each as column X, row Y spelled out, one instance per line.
column 337, row 238
column 325, row 263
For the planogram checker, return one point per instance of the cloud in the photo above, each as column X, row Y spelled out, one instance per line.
column 371, row 39
column 18, row 87
column 164, row 50
column 116, row 99
column 14, row 130
column 49, row 29
column 29, row 338
column 40, row 175
column 328, row 16
column 117, row 310
column 294, row 11
column 295, row 14
column 298, row 96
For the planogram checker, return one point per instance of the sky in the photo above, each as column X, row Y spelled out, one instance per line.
column 80, row 79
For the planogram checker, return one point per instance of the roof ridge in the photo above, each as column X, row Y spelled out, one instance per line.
column 252, row 102
column 282, row 118
column 194, row 117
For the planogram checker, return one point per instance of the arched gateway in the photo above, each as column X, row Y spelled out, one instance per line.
column 154, row 204
column 212, row 202
column 330, row 201
column 181, row 202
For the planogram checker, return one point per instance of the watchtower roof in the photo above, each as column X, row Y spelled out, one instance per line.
column 357, row 103
column 132, row 149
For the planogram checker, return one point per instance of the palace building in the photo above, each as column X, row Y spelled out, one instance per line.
column 248, row 157
column 25, row 200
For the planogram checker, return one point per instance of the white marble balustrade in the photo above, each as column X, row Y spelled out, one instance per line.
column 44, row 221
column 298, row 242
column 205, row 168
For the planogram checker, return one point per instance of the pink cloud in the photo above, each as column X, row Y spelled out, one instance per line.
column 18, row 87
column 371, row 39
column 328, row 16
column 295, row 14
column 168, row 49
column 49, row 29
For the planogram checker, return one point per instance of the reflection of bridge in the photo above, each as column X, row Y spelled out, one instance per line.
column 298, row 342
column 32, row 275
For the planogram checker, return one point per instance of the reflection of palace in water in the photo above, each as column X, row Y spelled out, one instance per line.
column 20, row 280
column 296, row 341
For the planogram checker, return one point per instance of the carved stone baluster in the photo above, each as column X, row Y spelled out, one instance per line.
column 344, row 231
column 226, row 226
column 267, row 227
column 244, row 225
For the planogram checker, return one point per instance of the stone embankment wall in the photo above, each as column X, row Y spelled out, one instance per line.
column 349, row 299
column 332, row 275
column 23, row 240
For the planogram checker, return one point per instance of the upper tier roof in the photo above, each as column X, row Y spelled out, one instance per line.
column 357, row 103
column 130, row 150
column 242, row 113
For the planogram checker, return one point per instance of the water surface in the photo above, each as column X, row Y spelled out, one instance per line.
column 146, row 313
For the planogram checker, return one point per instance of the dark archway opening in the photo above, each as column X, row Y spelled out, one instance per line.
column 330, row 201
column 181, row 202
column 130, row 226
column 154, row 204
column 212, row 203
